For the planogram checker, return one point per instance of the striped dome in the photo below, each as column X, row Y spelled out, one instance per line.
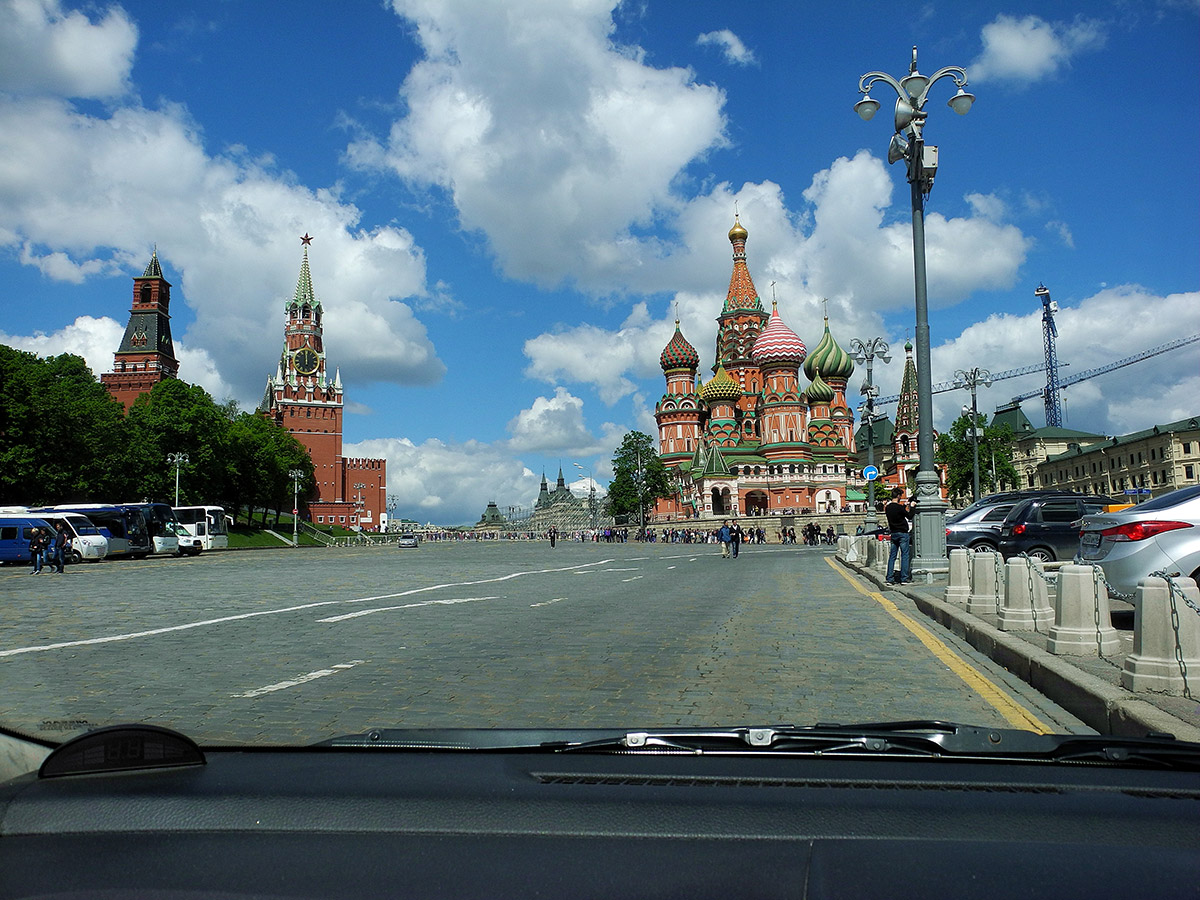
column 678, row 354
column 819, row 391
column 777, row 343
column 722, row 387
column 828, row 359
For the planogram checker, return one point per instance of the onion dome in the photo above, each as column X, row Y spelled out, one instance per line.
column 678, row 354
column 828, row 359
column 721, row 387
column 737, row 232
column 819, row 391
column 778, row 344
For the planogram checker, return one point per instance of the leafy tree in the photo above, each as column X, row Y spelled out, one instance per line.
column 63, row 438
column 261, row 454
column 639, row 479
column 955, row 450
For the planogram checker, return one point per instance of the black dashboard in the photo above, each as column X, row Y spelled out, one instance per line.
column 409, row 823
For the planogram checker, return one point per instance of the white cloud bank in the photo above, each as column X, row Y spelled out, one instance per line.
column 1029, row 49
column 731, row 46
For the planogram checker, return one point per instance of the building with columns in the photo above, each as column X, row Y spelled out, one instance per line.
column 146, row 355
column 302, row 398
column 752, row 440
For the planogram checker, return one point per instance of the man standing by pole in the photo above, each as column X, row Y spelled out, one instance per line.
column 897, row 513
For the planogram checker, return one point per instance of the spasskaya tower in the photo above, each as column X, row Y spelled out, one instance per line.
column 302, row 398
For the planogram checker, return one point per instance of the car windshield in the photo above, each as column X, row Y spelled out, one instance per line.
column 524, row 364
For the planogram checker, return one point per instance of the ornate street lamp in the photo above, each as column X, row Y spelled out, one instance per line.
column 591, row 495
column 295, row 475
column 393, row 501
column 177, row 460
column 865, row 352
column 972, row 379
column 921, row 162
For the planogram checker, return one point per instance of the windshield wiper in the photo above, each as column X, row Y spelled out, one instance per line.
column 916, row 739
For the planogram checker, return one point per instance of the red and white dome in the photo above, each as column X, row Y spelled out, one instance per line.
column 777, row 344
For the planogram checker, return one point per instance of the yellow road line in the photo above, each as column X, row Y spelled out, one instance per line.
column 1012, row 711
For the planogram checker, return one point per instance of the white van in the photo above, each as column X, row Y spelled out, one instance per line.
column 87, row 543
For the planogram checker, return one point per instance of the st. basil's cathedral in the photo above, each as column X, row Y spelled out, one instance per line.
column 751, row 441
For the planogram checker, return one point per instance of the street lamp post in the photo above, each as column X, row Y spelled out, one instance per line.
column 591, row 495
column 295, row 475
column 865, row 352
column 177, row 460
column 921, row 160
column 972, row 379
column 393, row 501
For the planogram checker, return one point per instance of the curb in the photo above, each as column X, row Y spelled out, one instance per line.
column 1106, row 707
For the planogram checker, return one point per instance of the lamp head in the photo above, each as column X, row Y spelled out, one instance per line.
column 905, row 113
column 866, row 108
column 897, row 149
column 961, row 102
column 914, row 83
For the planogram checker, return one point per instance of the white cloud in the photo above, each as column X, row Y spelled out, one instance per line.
column 550, row 139
column 556, row 425
column 731, row 46
column 87, row 194
column 46, row 51
column 1029, row 49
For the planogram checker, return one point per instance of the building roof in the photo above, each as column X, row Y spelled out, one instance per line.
column 678, row 354
column 720, row 387
column 153, row 269
column 304, row 295
column 777, row 344
column 1190, row 424
column 742, row 293
column 828, row 359
column 907, row 417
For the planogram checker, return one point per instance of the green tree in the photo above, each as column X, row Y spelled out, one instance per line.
column 955, row 450
column 176, row 417
column 261, row 454
column 639, row 479
column 63, row 438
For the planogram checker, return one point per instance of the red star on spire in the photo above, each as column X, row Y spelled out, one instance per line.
column 306, row 240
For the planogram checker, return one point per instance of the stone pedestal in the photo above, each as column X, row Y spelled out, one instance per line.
column 1082, row 601
column 1153, row 665
column 959, row 588
column 1026, row 600
column 986, row 587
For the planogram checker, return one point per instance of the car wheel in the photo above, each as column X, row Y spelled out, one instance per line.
column 1041, row 554
column 983, row 545
column 76, row 556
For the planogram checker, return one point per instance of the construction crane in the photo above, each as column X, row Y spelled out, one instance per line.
column 942, row 386
column 1099, row 370
column 1049, row 335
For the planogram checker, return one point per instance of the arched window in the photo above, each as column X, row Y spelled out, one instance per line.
column 146, row 295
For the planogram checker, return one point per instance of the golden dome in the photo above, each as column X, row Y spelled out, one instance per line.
column 737, row 232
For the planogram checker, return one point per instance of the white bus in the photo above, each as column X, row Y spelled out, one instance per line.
column 202, row 527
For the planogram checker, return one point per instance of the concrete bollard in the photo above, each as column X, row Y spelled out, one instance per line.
column 1082, row 621
column 843, row 547
column 1153, row 666
column 959, row 588
column 856, row 548
column 1026, row 604
column 986, row 584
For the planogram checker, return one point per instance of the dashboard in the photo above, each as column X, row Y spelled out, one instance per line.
column 327, row 822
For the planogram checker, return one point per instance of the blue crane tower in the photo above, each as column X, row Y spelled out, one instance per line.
column 1049, row 334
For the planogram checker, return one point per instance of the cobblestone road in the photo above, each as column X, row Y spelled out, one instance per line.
column 296, row 646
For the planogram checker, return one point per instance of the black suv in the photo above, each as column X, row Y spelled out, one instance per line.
column 1045, row 526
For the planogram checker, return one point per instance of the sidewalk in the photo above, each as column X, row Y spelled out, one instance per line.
column 1088, row 687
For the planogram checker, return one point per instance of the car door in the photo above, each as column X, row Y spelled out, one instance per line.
column 1055, row 529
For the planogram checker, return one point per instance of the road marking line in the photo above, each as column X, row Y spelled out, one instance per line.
column 547, row 602
column 150, row 632
column 634, row 578
column 1016, row 714
column 366, row 612
column 300, row 679
column 632, row 569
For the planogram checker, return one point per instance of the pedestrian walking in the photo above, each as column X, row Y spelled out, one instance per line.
column 724, row 535
column 553, row 536
column 37, row 549
column 735, row 537
column 58, row 547
column 898, row 513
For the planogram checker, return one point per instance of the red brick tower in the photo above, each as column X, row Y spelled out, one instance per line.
column 146, row 355
column 302, row 398
column 741, row 319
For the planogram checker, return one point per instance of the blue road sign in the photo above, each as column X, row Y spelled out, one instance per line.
column 870, row 473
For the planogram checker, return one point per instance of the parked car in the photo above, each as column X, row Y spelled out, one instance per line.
column 407, row 541
column 1046, row 526
column 978, row 526
column 1160, row 535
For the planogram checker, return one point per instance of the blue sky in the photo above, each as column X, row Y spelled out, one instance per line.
column 511, row 200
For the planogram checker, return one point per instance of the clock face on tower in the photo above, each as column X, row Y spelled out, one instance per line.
column 306, row 361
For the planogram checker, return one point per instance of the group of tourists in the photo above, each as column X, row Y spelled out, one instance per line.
column 48, row 549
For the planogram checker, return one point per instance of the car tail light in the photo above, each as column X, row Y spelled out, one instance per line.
column 1018, row 529
column 1139, row 531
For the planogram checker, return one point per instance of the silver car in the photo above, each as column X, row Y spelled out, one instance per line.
column 1161, row 535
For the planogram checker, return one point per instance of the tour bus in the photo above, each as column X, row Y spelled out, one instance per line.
column 16, row 528
column 124, row 526
column 162, row 525
column 201, row 528
column 86, row 540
